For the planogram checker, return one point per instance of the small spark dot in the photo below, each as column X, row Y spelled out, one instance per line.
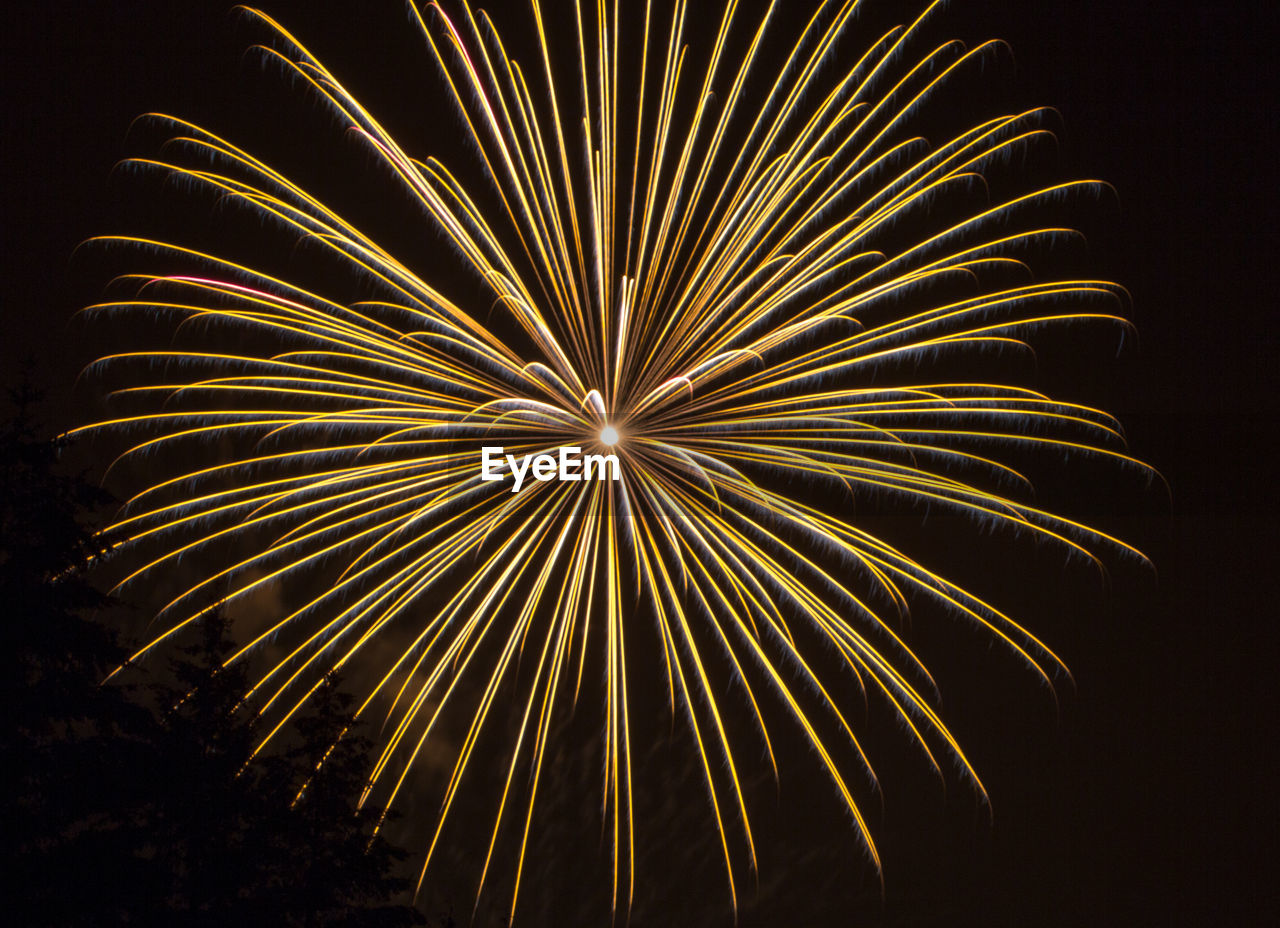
column 609, row 435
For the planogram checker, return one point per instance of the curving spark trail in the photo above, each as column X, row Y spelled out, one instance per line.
column 702, row 277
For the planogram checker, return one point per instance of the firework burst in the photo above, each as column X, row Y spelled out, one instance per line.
column 716, row 272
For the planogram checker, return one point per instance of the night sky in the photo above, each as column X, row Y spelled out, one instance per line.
column 1147, row 797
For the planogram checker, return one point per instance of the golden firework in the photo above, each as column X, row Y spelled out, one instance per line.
column 715, row 278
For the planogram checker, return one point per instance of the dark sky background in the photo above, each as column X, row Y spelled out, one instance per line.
column 1149, row 798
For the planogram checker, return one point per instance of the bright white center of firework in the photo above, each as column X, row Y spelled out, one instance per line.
column 609, row 436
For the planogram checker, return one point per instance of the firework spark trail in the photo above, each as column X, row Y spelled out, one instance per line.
column 718, row 296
